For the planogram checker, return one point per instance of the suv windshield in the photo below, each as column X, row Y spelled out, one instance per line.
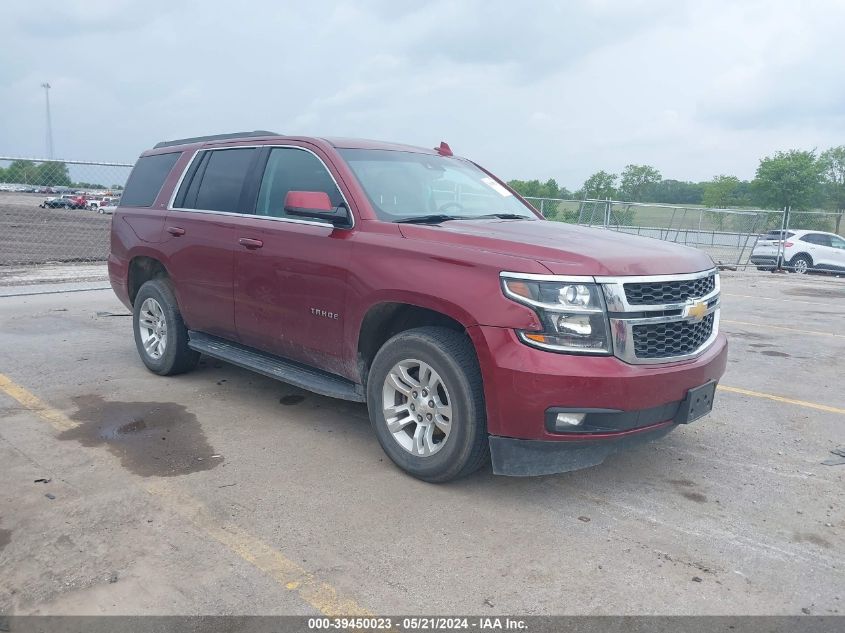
column 404, row 185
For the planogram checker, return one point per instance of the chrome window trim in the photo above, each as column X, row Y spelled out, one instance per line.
column 261, row 217
column 187, row 168
column 179, row 182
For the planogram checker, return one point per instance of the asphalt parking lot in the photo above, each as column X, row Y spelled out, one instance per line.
column 222, row 492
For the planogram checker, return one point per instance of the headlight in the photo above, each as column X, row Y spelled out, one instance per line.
column 572, row 313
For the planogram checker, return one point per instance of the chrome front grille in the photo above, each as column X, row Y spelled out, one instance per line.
column 669, row 291
column 673, row 338
column 662, row 319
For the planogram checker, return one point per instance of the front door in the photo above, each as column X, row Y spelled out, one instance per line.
column 290, row 273
column 838, row 252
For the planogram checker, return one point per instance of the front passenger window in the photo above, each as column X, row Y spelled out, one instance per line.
column 292, row 169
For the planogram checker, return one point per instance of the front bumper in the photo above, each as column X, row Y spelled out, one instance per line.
column 527, row 458
column 521, row 384
column 764, row 260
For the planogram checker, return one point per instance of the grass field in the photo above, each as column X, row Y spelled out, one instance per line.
column 681, row 217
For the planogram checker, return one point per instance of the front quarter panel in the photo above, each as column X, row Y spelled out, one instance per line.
column 460, row 282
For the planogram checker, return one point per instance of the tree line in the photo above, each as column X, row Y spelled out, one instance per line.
column 45, row 174
column 799, row 179
column 27, row 172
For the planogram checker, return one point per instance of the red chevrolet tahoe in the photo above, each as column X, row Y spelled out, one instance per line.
column 417, row 282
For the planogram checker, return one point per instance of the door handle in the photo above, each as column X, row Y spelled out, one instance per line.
column 176, row 231
column 250, row 243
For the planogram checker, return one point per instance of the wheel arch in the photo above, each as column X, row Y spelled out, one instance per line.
column 141, row 269
column 386, row 318
column 801, row 255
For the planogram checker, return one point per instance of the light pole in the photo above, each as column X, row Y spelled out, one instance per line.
column 46, row 87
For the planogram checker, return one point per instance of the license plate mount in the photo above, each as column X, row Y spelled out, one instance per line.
column 697, row 404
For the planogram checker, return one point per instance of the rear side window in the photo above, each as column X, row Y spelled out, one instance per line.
column 817, row 238
column 147, row 178
column 217, row 182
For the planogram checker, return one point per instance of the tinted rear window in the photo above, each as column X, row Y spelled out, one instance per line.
column 817, row 238
column 147, row 178
column 217, row 186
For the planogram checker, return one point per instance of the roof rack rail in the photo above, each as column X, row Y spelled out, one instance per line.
column 214, row 137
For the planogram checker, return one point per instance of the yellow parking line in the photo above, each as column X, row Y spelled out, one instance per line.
column 56, row 419
column 284, row 571
column 769, row 396
column 322, row 596
column 783, row 327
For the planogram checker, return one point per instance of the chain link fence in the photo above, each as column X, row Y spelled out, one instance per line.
column 729, row 236
column 56, row 212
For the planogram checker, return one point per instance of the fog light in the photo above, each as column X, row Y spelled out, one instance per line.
column 569, row 419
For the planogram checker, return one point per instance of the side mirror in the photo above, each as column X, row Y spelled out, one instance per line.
column 316, row 205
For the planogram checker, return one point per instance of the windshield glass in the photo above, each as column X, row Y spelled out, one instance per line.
column 402, row 185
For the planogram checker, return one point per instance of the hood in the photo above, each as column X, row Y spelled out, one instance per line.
column 566, row 249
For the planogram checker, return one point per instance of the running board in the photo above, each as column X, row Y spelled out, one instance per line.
column 293, row 373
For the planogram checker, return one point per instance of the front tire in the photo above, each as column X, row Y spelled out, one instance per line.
column 160, row 333
column 426, row 404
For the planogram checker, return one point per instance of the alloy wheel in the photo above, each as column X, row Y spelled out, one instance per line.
column 417, row 407
column 152, row 326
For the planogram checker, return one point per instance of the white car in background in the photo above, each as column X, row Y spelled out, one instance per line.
column 108, row 205
column 800, row 251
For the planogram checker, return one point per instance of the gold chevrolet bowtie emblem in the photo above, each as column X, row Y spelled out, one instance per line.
column 696, row 311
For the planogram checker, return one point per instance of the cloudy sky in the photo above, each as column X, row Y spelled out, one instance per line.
column 530, row 90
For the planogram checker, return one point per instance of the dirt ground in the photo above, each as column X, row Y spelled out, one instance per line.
column 31, row 235
column 223, row 492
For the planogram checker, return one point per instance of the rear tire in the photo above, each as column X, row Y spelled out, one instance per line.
column 160, row 333
column 445, row 361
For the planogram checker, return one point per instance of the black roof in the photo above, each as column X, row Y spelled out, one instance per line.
column 214, row 137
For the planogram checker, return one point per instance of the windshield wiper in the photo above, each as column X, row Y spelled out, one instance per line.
column 503, row 216
column 436, row 218
column 433, row 218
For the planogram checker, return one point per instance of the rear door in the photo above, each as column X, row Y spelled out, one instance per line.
column 201, row 238
column 291, row 273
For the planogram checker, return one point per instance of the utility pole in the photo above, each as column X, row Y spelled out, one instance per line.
column 46, row 87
